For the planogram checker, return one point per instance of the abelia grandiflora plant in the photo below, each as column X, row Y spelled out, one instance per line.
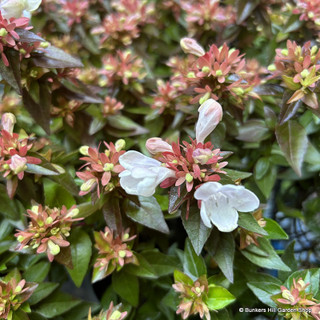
column 113, row 313
column 101, row 169
column 219, row 73
column 199, row 296
column 47, row 230
column 299, row 69
column 309, row 10
column 74, row 10
column 207, row 15
column 125, row 67
column 296, row 298
column 123, row 26
column 13, row 294
column 114, row 252
column 193, row 295
column 194, row 166
column 14, row 149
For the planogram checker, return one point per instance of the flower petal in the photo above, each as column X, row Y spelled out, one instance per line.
column 132, row 159
column 240, row 198
column 224, row 217
column 206, row 190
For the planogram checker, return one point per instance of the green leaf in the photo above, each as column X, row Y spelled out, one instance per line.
column 197, row 232
column 248, row 222
column 274, row 230
column 43, row 290
column 28, row 36
column 221, row 247
column 36, row 169
column 267, row 182
column 124, row 123
column 144, row 269
column 19, row 315
column 53, row 57
column 56, row 304
column 218, row 297
column 193, row 265
column 293, row 141
column 244, row 9
column 161, row 263
column 264, row 290
column 289, row 259
column 148, row 214
column 176, row 198
column 253, row 131
column 126, row 286
column 182, row 278
column 81, row 249
column 36, row 111
column 261, row 168
column 288, row 110
column 38, row 272
column 293, row 24
column 237, row 175
column 269, row 260
column 7, row 73
column 56, row 195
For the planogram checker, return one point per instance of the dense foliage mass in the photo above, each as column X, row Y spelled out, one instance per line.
column 159, row 159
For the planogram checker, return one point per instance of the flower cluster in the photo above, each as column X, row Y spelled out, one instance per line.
column 309, row 10
column 296, row 298
column 12, row 295
column 8, row 35
column 299, row 68
column 74, row 10
column 47, row 230
column 13, row 153
column 124, row 25
column 168, row 94
column 111, row 106
column 66, row 110
column 114, row 252
column 207, row 15
column 102, row 168
column 124, row 67
column 193, row 295
column 193, row 165
column 219, row 73
column 113, row 313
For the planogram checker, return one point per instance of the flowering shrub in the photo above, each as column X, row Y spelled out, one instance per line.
column 159, row 159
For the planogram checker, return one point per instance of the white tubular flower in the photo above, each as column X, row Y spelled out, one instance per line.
column 18, row 8
column 210, row 114
column 221, row 203
column 142, row 174
column 190, row 45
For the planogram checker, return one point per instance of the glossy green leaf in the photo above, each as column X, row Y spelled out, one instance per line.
column 148, row 214
column 81, row 249
column 193, row 265
column 248, row 222
column 197, row 232
column 126, row 286
column 293, row 141
column 218, row 298
column 274, row 230
column 43, row 290
column 264, row 290
column 38, row 272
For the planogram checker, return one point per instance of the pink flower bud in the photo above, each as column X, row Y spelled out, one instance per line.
column 190, row 45
column 8, row 121
column 202, row 155
column 18, row 164
column 210, row 114
column 157, row 145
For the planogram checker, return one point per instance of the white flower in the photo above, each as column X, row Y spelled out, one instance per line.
column 220, row 204
column 17, row 8
column 210, row 114
column 142, row 174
